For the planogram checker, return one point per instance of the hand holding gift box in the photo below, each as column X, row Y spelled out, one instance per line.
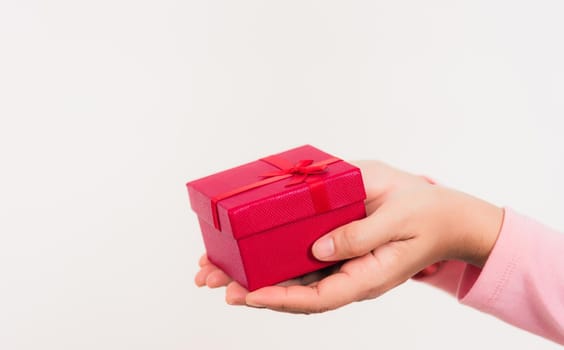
column 411, row 224
column 259, row 220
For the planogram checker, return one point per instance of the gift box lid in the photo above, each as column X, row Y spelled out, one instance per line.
column 275, row 190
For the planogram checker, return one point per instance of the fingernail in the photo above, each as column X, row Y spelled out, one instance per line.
column 324, row 248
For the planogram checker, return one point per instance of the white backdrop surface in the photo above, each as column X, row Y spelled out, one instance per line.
column 108, row 107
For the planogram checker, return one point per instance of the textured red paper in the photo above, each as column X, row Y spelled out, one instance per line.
column 267, row 232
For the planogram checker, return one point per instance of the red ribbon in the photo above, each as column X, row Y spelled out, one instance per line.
column 299, row 172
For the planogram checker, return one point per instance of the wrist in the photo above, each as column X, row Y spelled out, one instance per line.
column 474, row 224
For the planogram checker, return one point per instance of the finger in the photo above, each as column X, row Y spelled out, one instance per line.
column 356, row 238
column 204, row 260
column 202, row 275
column 330, row 293
column 211, row 275
column 235, row 294
column 397, row 262
column 217, row 278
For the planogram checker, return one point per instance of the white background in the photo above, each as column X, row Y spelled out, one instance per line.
column 108, row 107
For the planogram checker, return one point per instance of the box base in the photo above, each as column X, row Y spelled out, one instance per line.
column 277, row 254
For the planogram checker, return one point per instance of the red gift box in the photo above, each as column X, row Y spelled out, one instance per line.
column 259, row 220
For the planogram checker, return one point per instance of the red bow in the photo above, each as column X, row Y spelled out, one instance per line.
column 300, row 171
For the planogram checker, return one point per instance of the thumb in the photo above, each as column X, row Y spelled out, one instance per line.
column 356, row 238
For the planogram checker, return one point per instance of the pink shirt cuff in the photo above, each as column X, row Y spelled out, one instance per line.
column 522, row 281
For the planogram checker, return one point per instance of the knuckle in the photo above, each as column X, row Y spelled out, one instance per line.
column 352, row 240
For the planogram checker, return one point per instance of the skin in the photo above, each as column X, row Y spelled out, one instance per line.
column 410, row 225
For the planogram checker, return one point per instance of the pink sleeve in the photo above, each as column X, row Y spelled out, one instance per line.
column 522, row 282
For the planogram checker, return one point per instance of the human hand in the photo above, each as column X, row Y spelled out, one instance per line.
column 410, row 225
column 380, row 180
